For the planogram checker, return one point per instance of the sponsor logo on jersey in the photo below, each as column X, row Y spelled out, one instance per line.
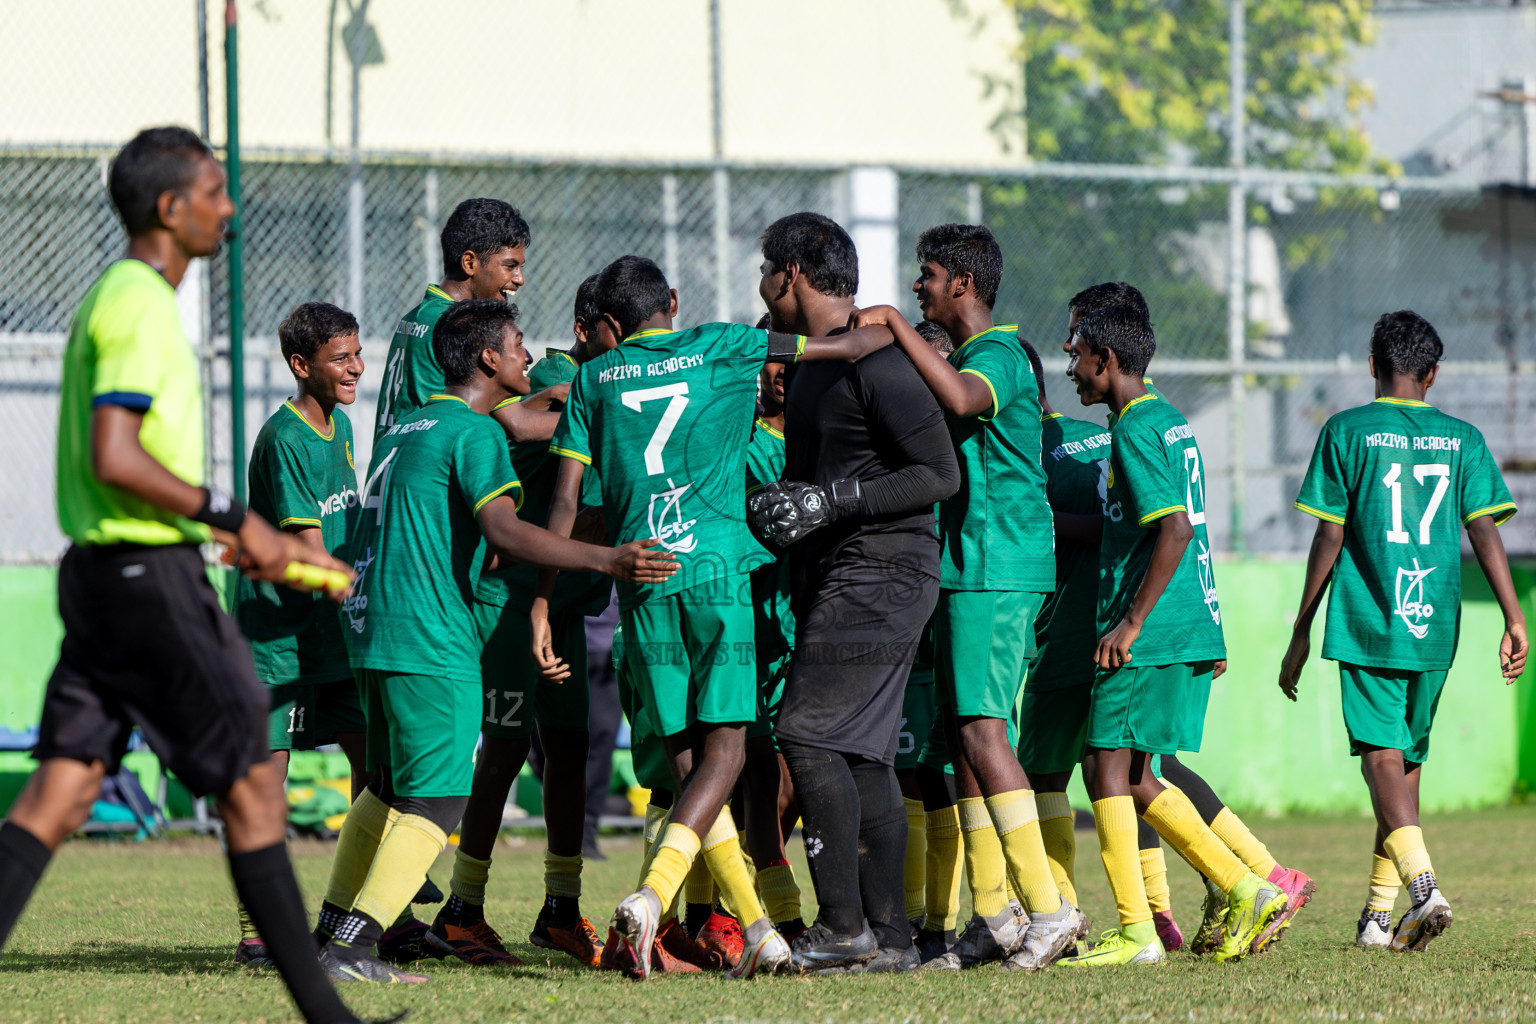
column 1114, row 513
column 664, row 516
column 338, row 502
column 1411, row 606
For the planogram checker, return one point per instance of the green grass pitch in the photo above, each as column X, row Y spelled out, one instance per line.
column 127, row 933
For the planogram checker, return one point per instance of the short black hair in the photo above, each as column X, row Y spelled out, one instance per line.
column 586, row 308
column 819, row 246
column 1036, row 366
column 483, row 227
column 312, row 324
column 1404, row 344
column 965, row 249
column 155, row 161
column 1124, row 331
column 465, row 330
column 936, row 336
column 1110, row 293
column 632, row 289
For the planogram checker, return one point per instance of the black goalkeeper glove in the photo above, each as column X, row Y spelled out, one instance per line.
column 785, row 511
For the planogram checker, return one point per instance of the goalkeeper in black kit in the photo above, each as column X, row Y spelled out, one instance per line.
column 867, row 455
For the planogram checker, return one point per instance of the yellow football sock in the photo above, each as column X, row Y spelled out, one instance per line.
column 779, row 891
column 248, row 928
column 671, row 858
column 722, row 852
column 469, row 877
column 655, row 822
column 409, row 849
column 1406, row 849
column 699, row 886
column 985, row 868
column 1385, row 883
column 362, row 833
column 1154, row 878
column 1017, row 821
column 917, row 855
column 1115, row 819
column 1229, row 828
column 941, row 870
column 562, row 875
column 1056, row 832
column 1177, row 821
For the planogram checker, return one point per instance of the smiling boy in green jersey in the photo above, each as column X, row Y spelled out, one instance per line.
column 694, row 391
column 1160, row 644
column 1391, row 484
column 302, row 478
column 515, row 700
column 440, row 493
column 996, row 539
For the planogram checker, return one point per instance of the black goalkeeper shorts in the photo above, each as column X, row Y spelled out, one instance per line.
column 854, row 643
column 146, row 644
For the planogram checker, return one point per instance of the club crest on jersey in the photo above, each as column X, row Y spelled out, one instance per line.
column 355, row 608
column 1208, row 582
column 665, row 518
column 1411, row 606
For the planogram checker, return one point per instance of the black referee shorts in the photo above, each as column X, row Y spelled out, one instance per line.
column 854, row 643
column 146, row 644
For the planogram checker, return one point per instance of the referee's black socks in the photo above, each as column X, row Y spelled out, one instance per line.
column 264, row 879
column 23, row 858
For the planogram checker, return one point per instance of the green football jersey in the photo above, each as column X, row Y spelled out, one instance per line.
column 1155, row 470
column 299, row 477
column 1403, row 478
column 418, row 549
column 126, row 347
column 536, row 470
column 664, row 419
column 1075, row 455
column 775, row 622
column 996, row 531
column 411, row 373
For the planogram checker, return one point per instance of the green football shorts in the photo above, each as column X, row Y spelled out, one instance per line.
column 646, row 752
column 514, row 693
column 935, row 753
column 1159, row 709
column 1391, row 708
column 425, row 728
column 1053, row 726
column 982, row 642
column 917, row 717
column 306, row 716
column 691, row 654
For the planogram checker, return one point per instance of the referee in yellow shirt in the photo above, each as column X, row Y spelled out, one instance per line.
column 145, row 641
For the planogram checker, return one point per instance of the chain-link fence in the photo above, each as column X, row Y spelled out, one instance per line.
column 1321, row 266
column 1263, row 283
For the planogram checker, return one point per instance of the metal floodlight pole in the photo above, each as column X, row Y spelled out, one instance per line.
column 355, row 193
column 1237, row 270
column 722, row 179
column 236, row 251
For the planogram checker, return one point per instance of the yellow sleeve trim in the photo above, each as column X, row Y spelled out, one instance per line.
column 1501, row 513
column 995, row 407
column 1319, row 513
column 297, row 521
column 800, row 340
column 498, row 492
column 567, row 453
column 1160, row 513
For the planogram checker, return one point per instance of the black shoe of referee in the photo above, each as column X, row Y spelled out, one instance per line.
column 821, row 948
